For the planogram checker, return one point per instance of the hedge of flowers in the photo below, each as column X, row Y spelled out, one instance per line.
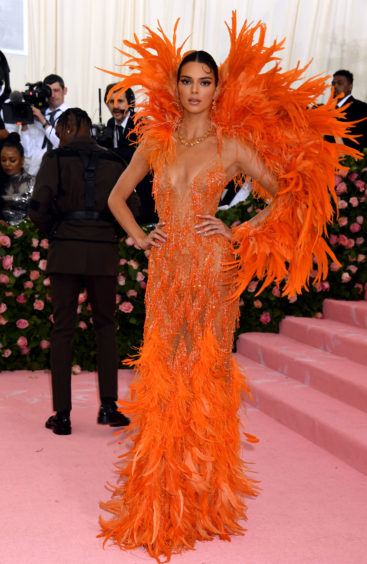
column 25, row 300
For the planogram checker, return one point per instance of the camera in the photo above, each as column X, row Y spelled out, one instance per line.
column 19, row 110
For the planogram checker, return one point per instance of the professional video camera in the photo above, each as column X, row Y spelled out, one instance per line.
column 19, row 110
column 102, row 133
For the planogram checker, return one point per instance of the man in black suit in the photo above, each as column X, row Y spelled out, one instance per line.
column 356, row 110
column 69, row 203
column 119, row 137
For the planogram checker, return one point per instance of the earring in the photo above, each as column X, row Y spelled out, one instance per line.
column 68, row 131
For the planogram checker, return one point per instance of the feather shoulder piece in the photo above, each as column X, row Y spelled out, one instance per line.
column 153, row 69
column 276, row 112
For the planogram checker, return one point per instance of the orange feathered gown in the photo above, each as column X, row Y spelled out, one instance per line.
column 183, row 479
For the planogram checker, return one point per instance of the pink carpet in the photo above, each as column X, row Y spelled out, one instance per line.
column 313, row 508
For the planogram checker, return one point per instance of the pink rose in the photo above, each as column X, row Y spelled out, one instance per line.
column 342, row 204
column 131, row 293
column 42, row 264
column 343, row 240
column 28, row 284
column 126, row 307
column 6, row 353
column 8, row 262
column 353, row 176
column 76, row 369
column 252, row 286
column 51, row 318
column 5, row 241
column 265, row 317
column 350, row 244
column 9, row 294
column 48, row 298
column 118, row 298
column 129, row 241
column 123, row 261
column 341, row 188
column 82, row 325
column 338, row 179
column 3, row 321
column 143, row 285
column 334, row 267
column 361, row 258
column 3, row 308
column 18, row 233
column 22, row 324
column 355, row 227
column 35, row 242
column 35, row 256
column 359, row 287
column 276, row 292
column 121, row 280
column 343, row 221
column 4, row 279
column 360, row 185
column 258, row 304
column 354, row 202
column 24, row 350
column 38, row 305
column 333, row 239
column 352, row 268
column 44, row 243
column 343, row 172
column 250, row 209
column 346, row 277
column 140, row 277
column 21, row 299
column 360, row 219
column 22, row 342
column 18, row 272
column 79, row 309
column 323, row 287
column 34, row 275
column 44, row 344
column 134, row 264
column 360, row 240
column 47, row 282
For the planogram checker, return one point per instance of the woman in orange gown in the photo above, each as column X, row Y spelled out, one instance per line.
column 183, row 479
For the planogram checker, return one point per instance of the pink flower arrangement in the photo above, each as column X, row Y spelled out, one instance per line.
column 4, row 279
column 118, row 298
column 126, row 307
column 82, row 297
column 35, row 242
column 22, row 324
column 252, row 286
column 334, row 267
column 42, row 264
column 134, row 264
column 18, row 233
column 47, row 282
column 129, row 241
column 338, row 179
column 123, row 261
column 121, row 280
column 361, row 257
column 44, row 243
column 28, row 284
column 265, row 317
column 276, row 292
column 21, row 299
column 3, row 321
column 360, row 240
column 8, row 262
column 343, row 221
column 82, row 325
column 333, row 239
column 353, row 176
column 44, row 344
column 143, row 285
column 3, row 308
column 360, row 219
column 6, row 353
column 353, row 201
column 140, row 277
column 352, row 268
column 342, row 204
column 18, row 272
column 360, row 185
column 258, row 304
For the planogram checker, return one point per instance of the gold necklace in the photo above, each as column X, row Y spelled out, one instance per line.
column 194, row 142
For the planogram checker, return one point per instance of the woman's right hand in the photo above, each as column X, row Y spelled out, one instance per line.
column 155, row 238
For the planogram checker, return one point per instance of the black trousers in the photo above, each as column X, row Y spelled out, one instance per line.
column 101, row 290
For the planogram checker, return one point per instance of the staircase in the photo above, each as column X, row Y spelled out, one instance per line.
column 312, row 377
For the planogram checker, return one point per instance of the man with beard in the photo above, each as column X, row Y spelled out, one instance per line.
column 354, row 109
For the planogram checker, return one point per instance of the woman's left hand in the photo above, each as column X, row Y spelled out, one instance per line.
column 211, row 225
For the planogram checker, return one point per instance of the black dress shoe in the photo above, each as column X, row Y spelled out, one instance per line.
column 108, row 415
column 60, row 424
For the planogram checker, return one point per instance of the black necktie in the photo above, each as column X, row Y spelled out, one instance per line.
column 51, row 119
column 120, row 135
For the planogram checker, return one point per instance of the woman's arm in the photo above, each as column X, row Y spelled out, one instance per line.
column 129, row 179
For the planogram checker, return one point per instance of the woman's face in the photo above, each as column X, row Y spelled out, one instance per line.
column 196, row 87
column 11, row 160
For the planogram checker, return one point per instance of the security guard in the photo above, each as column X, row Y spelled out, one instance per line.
column 69, row 203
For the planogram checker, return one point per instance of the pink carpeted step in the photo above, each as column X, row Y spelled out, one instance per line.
column 352, row 313
column 336, row 376
column 331, row 424
column 328, row 335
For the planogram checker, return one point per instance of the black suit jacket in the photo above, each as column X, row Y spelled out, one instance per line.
column 355, row 111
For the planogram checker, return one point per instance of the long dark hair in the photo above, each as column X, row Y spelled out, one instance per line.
column 200, row 57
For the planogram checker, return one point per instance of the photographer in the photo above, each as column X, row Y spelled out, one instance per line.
column 41, row 136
